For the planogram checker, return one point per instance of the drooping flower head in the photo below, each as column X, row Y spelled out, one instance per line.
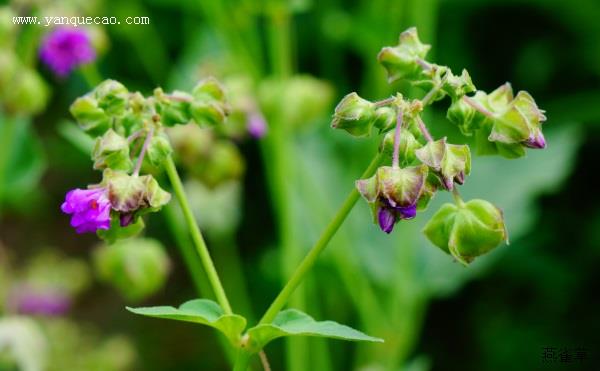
column 65, row 49
column 394, row 193
column 90, row 209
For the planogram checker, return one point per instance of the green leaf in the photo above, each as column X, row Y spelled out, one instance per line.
column 201, row 311
column 292, row 322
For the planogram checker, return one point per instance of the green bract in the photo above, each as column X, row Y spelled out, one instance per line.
column 450, row 161
column 130, row 193
column 403, row 60
column 467, row 230
column 111, row 151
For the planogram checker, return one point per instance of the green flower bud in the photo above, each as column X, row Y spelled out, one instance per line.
column 111, row 151
column 385, row 118
column 112, row 97
column 408, row 145
column 136, row 267
column 457, row 86
column 355, row 115
column 91, row 118
column 174, row 109
column 159, row 149
column 208, row 106
column 450, row 161
column 402, row 61
column 466, row 231
column 28, row 94
column 225, row 163
column 130, row 193
column 467, row 118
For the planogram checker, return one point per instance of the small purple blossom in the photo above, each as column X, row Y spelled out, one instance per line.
column 48, row 303
column 388, row 215
column 536, row 141
column 64, row 49
column 90, row 209
column 256, row 125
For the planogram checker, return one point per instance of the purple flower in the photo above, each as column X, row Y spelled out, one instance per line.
column 49, row 303
column 90, row 209
column 256, row 125
column 388, row 215
column 64, row 49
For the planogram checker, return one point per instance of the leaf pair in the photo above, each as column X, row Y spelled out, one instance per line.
column 290, row 322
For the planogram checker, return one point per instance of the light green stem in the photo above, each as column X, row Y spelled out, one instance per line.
column 319, row 246
column 242, row 361
column 201, row 248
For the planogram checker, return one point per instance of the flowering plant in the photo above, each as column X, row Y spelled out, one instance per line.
column 131, row 140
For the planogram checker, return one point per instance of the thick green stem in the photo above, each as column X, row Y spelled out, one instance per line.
column 242, row 361
column 319, row 246
column 201, row 248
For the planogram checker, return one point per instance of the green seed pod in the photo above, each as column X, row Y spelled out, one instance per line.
column 400, row 186
column 385, row 119
column 402, row 61
column 136, row 267
column 111, row 151
column 468, row 230
column 467, row 118
column 457, row 86
column 208, row 106
column 355, row 115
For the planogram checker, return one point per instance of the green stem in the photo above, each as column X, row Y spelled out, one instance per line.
column 457, row 199
column 242, row 361
column 91, row 75
column 8, row 128
column 207, row 262
column 319, row 246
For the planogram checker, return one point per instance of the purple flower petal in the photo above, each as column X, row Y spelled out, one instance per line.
column 90, row 209
column 386, row 218
column 65, row 49
column 407, row 212
column 536, row 141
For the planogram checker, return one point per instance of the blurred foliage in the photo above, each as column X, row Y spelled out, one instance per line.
column 279, row 192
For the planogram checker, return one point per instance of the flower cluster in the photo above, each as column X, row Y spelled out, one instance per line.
column 131, row 138
column 500, row 122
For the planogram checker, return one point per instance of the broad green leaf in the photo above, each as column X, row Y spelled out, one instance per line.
column 292, row 322
column 201, row 311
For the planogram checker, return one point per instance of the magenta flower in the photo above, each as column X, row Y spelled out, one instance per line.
column 256, row 125
column 90, row 209
column 65, row 49
column 47, row 303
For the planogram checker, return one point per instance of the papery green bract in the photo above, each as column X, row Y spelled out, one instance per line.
column 112, row 97
column 201, row 311
column 355, row 115
column 507, row 126
column 111, row 151
column 467, row 231
column 208, row 106
column 457, row 86
column 399, row 186
column 129, row 193
column 159, row 149
column 450, row 161
column 402, row 61
column 292, row 322
column 91, row 118
column 137, row 267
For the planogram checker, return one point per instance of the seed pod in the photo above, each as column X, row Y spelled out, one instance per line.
column 468, row 230
column 355, row 115
column 402, row 60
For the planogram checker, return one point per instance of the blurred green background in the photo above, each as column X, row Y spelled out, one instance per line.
column 295, row 60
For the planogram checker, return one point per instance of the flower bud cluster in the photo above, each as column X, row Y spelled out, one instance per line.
column 130, row 138
column 501, row 123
